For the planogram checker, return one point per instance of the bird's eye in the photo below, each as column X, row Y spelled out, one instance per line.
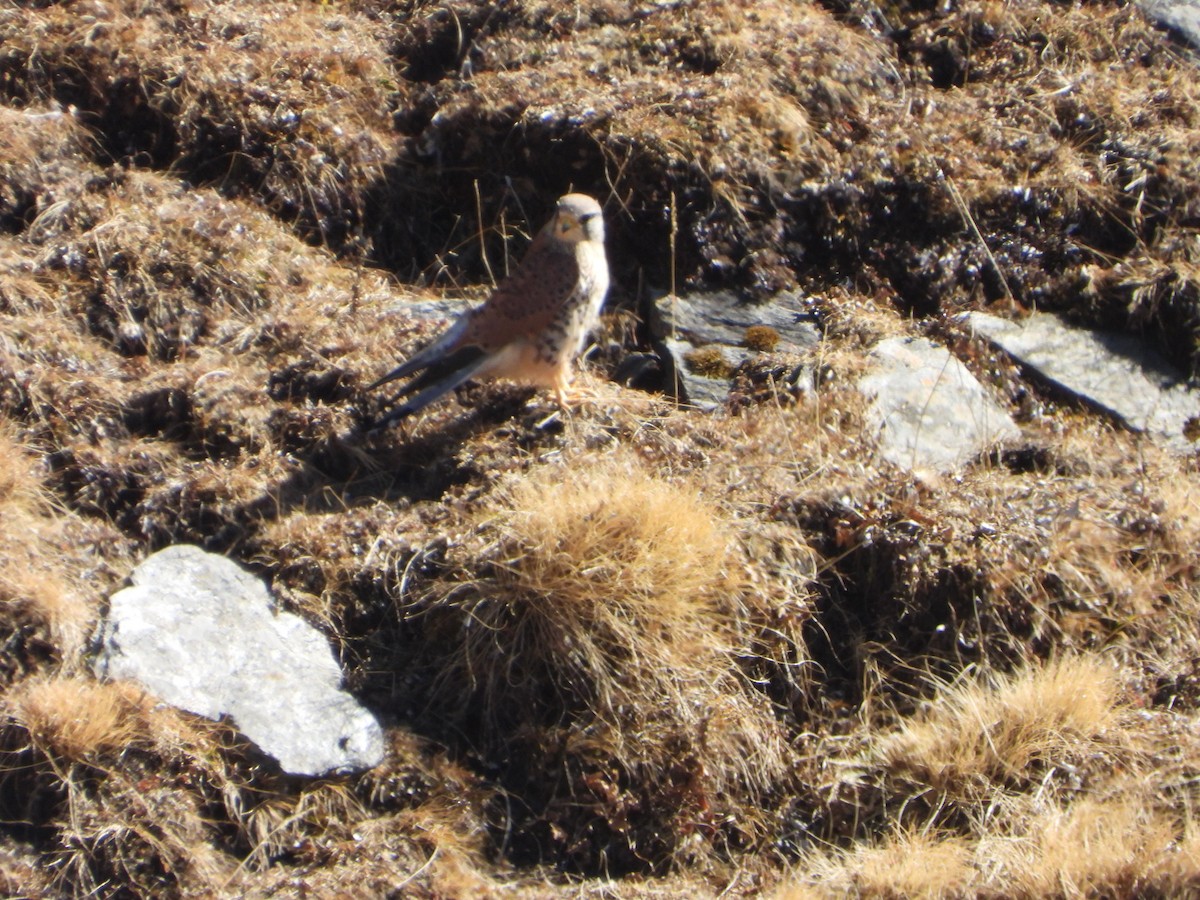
column 586, row 217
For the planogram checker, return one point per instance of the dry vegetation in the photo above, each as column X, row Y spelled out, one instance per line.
column 634, row 650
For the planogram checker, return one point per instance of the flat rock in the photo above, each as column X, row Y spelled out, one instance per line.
column 1182, row 16
column 200, row 632
column 1116, row 373
column 704, row 387
column 436, row 308
column 930, row 411
column 717, row 324
column 721, row 317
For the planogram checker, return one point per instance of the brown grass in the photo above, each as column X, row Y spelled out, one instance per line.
column 1096, row 847
column 986, row 733
column 1090, row 848
column 709, row 362
column 76, row 719
column 34, row 586
column 318, row 91
column 616, row 549
column 905, row 864
column 599, row 614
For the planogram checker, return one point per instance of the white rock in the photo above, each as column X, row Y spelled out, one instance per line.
column 200, row 632
column 1182, row 16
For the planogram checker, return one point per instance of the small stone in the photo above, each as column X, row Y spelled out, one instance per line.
column 438, row 309
column 1181, row 16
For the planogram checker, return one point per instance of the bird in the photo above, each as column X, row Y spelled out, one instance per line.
column 532, row 326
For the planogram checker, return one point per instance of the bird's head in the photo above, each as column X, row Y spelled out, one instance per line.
column 577, row 218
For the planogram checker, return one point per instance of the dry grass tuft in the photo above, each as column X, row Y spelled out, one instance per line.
column 1095, row 847
column 903, row 864
column 35, row 585
column 986, row 733
column 76, row 719
column 616, row 549
column 710, row 362
column 594, row 626
column 21, row 491
column 761, row 337
column 40, row 149
column 1089, row 848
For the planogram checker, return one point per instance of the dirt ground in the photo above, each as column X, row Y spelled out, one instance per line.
column 628, row 650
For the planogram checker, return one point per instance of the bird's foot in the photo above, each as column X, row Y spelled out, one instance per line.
column 575, row 395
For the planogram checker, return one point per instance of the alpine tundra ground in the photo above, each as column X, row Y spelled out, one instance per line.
column 633, row 650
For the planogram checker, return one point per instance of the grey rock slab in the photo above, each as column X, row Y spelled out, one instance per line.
column 1113, row 372
column 706, row 392
column 1181, row 15
column 436, row 308
column 719, row 320
column 201, row 633
column 721, row 317
column 930, row 411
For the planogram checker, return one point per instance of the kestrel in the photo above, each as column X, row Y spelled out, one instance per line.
column 531, row 327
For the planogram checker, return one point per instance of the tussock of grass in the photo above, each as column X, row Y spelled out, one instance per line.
column 615, row 549
column 35, row 588
column 77, row 767
column 1119, row 847
column 761, row 337
column 709, row 362
column 76, row 719
column 982, row 734
column 128, row 791
column 596, row 630
column 904, row 864
column 1089, row 848
column 21, row 491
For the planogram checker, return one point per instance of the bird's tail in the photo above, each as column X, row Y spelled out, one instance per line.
column 426, row 357
column 434, row 383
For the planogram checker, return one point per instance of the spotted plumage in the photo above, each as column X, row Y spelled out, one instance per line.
column 532, row 326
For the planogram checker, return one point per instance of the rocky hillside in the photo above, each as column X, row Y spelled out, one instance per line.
column 636, row 648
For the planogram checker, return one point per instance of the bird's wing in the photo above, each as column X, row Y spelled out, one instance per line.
column 527, row 302
column 523, row 305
